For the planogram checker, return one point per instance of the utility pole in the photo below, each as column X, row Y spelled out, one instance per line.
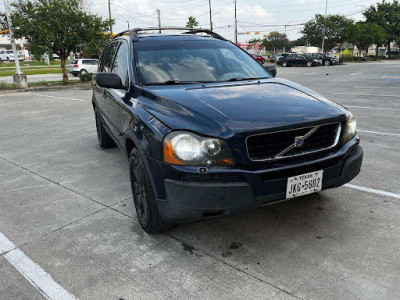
column 19, row 79
column 211, row 25
column 236, row 41
column 128, row 24
column 324, row 32
column 109, row 18
column 284, row 43
column 159, row 20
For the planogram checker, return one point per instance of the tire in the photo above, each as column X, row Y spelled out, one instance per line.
column 8, row 59
column 309, row 64
column 83, row 71
column 105, row 141
column 327, row 63
column 143, row 196
column 284, row 64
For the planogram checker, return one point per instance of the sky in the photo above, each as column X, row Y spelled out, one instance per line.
column 253, row 16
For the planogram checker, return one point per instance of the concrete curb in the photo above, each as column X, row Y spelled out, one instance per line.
column 80, row 86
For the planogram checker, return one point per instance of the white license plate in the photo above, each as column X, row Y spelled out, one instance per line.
column 304, row 184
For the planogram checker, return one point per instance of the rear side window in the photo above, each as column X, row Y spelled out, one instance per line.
column 121, row 62
column 108, row 57
column 89, row 62
column 73, row 62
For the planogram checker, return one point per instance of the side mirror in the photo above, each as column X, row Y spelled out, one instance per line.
column 109, row 80
column 271, row 69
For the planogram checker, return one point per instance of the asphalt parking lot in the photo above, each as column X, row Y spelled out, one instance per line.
column 67, row 227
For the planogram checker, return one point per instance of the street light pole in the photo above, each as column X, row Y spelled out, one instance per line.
column 109, row 18
column 14, row 47
column 209, row 5
column 128, row 24
column 20, row 79
column 236, row 41
column 324, row 32
column 159, row 20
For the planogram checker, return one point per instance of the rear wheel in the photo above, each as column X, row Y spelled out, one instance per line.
column 105, row 141
column 83, row 71
column 143, row 196
column 284, row 64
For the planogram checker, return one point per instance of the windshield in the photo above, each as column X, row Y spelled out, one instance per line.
column 10, row 52
column 167, row 62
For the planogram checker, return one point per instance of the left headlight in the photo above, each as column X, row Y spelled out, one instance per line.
column 351, row 128
column 186, row 148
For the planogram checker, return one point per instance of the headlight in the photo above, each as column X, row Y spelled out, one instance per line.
column 186, row 148
column 351, row 128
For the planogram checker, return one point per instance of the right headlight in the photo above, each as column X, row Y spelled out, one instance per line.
column 187, row 148
column 351, row 128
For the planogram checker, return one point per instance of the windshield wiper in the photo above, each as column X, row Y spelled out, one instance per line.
column 248, row 78
column 171, row 82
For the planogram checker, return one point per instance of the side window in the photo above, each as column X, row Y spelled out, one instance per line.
column 121, row 62
column 107, row 57
column 300, row 57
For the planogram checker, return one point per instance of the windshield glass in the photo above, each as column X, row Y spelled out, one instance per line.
column 10, row 52
column 163, row 62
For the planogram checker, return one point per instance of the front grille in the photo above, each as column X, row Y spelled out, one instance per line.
column 281, row 144
column 220, row 177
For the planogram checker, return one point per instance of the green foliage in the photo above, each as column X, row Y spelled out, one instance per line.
column 85, row 77
column 275, row 41
column 337, row 29
column 57, row 26
column 192, row 22
column 363, row 35
column 386, row 15
column 251, row 45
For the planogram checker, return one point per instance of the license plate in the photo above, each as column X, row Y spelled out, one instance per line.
column 304, row 184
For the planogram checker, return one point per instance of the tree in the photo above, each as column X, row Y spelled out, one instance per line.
column 255, row 45
column 337, row 28
column 386, row 15
column 363, row 35
column 276, row 41
column 192, row 22
column 57, row 26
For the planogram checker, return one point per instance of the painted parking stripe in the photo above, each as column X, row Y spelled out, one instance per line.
column 347, row 94
column 63, row 98
column 354, row 74
column 373, row 191
column 38, row 277
column 376, row 132
column 374, row 108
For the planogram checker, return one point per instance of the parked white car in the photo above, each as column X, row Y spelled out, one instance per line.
column 8, row 55
column 83, row 66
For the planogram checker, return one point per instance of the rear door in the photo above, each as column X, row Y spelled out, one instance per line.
column 291, row 59
column 301, row 60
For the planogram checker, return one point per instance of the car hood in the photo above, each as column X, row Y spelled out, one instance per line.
column 228, row 108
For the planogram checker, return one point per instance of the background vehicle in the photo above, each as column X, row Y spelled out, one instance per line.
column 7, row 55
column 208, row 132
column 323, row 59
column 297, row 60
column 83, row 66
column 259, row 58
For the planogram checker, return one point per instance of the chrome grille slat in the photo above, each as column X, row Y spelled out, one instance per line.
column 280, row 144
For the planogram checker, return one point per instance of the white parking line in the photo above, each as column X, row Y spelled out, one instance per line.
column 376, row 132
column 373, row 191
column 347, row 94
column 368, row 107
column 38, row 277
column 354, row 74
column 63, row 98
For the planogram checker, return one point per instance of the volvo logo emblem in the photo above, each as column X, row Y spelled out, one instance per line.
column 299, row 141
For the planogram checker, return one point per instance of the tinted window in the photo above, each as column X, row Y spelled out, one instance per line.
column 194, row 60
column 291, row 56
column 89, row 62
column 108, row 56
column 73, row 62
column 121, row 62
column 300, row 57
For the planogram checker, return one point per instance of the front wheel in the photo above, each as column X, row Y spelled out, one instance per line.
column 143, row 196
column 327, row 63
column 284, row 64
column 309, row 64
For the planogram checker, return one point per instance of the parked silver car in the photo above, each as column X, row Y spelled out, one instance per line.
column 83, row 66
column 8, row 55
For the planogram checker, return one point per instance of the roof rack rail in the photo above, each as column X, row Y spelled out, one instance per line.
column 133, row 33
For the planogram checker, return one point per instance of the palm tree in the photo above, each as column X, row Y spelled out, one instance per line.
column 192, row 22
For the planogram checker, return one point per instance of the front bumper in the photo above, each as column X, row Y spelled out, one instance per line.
column 182, row 201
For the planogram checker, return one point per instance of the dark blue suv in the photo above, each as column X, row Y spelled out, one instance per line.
column 210, row 132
